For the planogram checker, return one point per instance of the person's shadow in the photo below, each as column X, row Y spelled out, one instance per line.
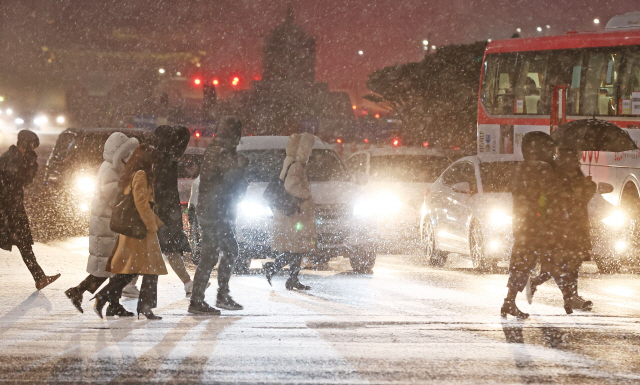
column 35, row 300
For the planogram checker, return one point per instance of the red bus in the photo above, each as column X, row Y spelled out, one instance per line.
column 534, row 84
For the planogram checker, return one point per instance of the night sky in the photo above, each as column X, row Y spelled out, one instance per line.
column 388, row 31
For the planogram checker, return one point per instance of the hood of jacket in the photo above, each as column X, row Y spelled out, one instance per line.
column 292, row 149
column 123, row 154
column 228, row 132
column 304, row 147
column 171, row 141
column 112, row 145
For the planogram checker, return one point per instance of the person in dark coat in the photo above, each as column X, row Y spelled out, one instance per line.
column 18, row 168
column 222, row 185
column 576, row 234
column 171, row 143
column 537, row 210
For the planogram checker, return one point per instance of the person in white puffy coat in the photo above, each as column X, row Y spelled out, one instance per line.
column 117, row 150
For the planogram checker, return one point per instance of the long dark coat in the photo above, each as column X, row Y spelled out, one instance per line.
column 577, row 232
column 538, row 210
column 16, row 172
column 171, row 143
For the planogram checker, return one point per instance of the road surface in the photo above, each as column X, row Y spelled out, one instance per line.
column 405, row 323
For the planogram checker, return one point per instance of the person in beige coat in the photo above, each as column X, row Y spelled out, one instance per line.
column 132, row 256
column 294, row 236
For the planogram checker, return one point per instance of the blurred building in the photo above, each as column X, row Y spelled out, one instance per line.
column 287, row 98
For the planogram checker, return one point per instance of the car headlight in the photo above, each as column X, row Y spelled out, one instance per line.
column 252, row 208
column 85, row 184
column 382, row 204
column 499, row 218
column 616, row 219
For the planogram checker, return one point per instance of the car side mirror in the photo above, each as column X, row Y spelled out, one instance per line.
column 462, row 187
column 605, row 188
column 361, row 178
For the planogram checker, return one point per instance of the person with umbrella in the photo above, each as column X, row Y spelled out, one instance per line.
column 563, row 265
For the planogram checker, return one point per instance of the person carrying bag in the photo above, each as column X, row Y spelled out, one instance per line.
column 133, row 256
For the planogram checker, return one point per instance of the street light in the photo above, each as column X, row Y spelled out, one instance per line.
column 596, row 21
column 539, row 29
column 433, row 47
column 161, row 70
column 548, row 26
column 360, row 52
column 1, row 98
column 518, row 30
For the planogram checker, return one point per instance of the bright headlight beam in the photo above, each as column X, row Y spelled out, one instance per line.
column 616, row 219
column 85, row 184
column 253, row 208
column 499, row 218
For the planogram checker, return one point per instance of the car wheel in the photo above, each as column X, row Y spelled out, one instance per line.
column 432, row 254
column 476, row 249
column 362, row 261
column 607, row 263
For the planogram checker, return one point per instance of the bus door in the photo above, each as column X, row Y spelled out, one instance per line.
column 558, row 106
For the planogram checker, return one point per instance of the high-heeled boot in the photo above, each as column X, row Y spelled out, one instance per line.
column 101, row 300
column 149, row 314
column 292, row 284
column 509, row 307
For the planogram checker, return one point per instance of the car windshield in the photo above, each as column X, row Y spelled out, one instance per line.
column 323, row 165
column 407, row 168
column 497, row 176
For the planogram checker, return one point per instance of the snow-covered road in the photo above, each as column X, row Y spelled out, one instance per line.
column 405, row 323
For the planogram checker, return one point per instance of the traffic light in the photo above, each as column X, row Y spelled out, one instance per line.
column 210, row 97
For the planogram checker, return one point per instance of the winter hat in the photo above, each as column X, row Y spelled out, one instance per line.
column 533, row 145
column 26, row 138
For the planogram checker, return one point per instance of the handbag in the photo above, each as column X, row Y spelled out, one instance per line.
column 125, row 218
column 277, row 196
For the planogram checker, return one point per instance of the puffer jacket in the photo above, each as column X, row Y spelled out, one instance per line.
column 171, row 143
column 222, row 174
column 117, row 150
column 296, row 233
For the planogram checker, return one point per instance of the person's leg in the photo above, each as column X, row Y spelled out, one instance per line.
column 520, row 267
column 229, row 248
column 112, row 291
column 148, row 293
column 208, row 260
column 91, row 284
column 29, row 259
column 177, row 264
column 294, row 270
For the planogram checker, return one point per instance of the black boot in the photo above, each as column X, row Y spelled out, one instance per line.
column 149, row 314
column 225, row 301
column 202, row 308
column 100, row 302
column 75, row 295
column 509, row 307
column 46, row 280
column 295, row 285
column 118, row 310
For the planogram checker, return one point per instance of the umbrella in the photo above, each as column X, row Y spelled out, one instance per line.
column 593, row 135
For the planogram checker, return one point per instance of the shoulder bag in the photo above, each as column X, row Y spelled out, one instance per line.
column 278, row 198
column 125, row 218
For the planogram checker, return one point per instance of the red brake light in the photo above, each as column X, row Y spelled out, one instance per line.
column 425, row 144
column 235, row 81
column 338, row 140
column 215, row 82
column 197, row 81
column 396, row 142
column 197, row 134
column 366, row 140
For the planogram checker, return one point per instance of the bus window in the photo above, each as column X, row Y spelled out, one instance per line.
column 497, row 84
column 601, row 83
column 565, row 68
column 629, row 82
column 530, row 99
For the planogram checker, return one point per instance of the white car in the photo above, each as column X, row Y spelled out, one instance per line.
column 468, row 211
column 396, row 180
column 334, row 191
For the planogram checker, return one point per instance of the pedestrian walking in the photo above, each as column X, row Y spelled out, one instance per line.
column 295, row 236
column 131, row 256
column 222, row 185
column 117, row 150
column 171, row 143
column 536, row 213
column 576, row 234
column 18, row 168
